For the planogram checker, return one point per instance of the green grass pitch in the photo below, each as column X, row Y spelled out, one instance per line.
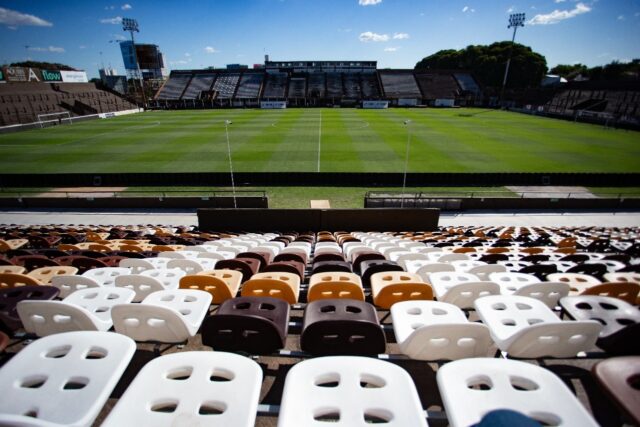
column 344, row 140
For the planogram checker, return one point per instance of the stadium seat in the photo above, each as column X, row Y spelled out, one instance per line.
column 69, row 284
column 341, row 327
column 9, row 299
column 547, row 292
column 221, row 284
column 350, row 391
column 106, row 276
column 140, row 284
column 461, row 289
column 526, row 328
column 256, row 325
column 63, row 379
column 470, row 388
column 390, row 287
column 618, row 377
column 431, row 330
column 46, row 274
column 281, row 285
column 626, row 291
column 195, row 387
column 14, row 280
column 578, row 282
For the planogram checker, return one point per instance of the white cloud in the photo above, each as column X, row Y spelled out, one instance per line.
column 210, row 49
column 369, row 36
column 559, row 1
column 511, row 9
column 467, row 9
column 369, row 2
column 82, row 46
column 54, row 49
column 13, row 18
column 187, row 54
column 400, row 36
column 620, row 17
column 115, row 21
column 391, row 49
column 126, row 6
column 559, row 15
column 180, row 62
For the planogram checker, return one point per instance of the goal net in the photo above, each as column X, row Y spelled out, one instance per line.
column 52, row 119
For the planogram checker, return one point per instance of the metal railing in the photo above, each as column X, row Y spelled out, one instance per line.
column 129, row 194
column 482, row 194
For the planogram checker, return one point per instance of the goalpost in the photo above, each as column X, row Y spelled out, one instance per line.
column 51, row 119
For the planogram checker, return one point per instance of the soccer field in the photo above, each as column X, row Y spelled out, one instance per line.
column 325, row 140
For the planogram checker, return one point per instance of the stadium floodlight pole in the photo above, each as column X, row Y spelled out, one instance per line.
column 515, row 20
column 233, row 185
column 131, row 25
column 406, row 161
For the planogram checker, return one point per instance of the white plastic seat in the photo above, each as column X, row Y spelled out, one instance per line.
column 613, row 313
column 547, row 292
column 432, row 330
column 450, row 257
column 172, row 255
column 169, row 277
column 510, row 282
column 471, row 388
column 215, row 256
column 411, row 256
column 84, row 310
column 63, row 379
column 158, row 263
column 192, row 265
column 350, row 391
column 70, row 284
column 140, row 284
column 483, row 271
column 513, row 265
column 460, row 289
column 525, row 327
column 194, row 388
column 425, row 268
column 136, row 265
column 464, row 266
column 622, row 277
column 106, row 276
column 169, row 316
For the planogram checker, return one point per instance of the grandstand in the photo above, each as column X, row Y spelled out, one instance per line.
column 24, row 102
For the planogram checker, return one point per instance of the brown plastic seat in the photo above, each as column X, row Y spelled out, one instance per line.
column 626, row 291
column 247, row 266
column 294, row 267
column 618, row 377
column 256, row 325
column 328, row 256
column 12, row 244
column 281, row 285
column 341, row 327
column 4, row 341
column 624, row 342
column 40, row 242
column 360, row 257
column 373, row 266
column 335, row 285
column 263, row 257
column 327, row 266
column 31, row 262
column 82, row 263
column 390, row 287
column 13, row 280
column 9, row 299
column 113, row 260
column 221, row 284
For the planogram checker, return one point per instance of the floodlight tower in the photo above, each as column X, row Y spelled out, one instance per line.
column 131, row 25
column 515, row 20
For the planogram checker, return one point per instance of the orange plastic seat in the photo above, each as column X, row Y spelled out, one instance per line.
column 335, row 285
column 390, row 287
column 275, row 284
column 221, row 284
column 13, row 280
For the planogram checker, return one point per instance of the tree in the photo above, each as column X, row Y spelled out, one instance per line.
column 43, row 65
column 487, row 63
column 569, row 71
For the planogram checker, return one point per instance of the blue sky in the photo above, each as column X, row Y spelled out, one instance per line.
column 396, row 33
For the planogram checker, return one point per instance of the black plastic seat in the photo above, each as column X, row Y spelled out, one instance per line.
column 341, row 327
column 625, row 342
column 541, row 271
column 330, row 266
column 247, row 266
column 9, row 299
column 256, row 325
column 372, row 266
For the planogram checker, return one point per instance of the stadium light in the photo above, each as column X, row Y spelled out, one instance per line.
column 233, row 185
column 406, row 161
column 515, row 20
column 131, row 25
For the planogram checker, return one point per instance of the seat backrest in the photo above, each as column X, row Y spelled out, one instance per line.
column 196, row 386
column 465, row 294
column 141, row 285
column 70, row 284
column 547, row 292
column 63, row 379
column 448, row 342
column 169, row 277
column 145, row 322
column 613, row 313
column 510, row 282
column 559, row 339
column 106, row 276
column 136, row 265
column 12, row 280
column 351, row 391
column 626, row 291
column 470, row 388
column 53, row 317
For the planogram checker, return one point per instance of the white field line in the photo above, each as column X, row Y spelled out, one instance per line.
column 319, row 139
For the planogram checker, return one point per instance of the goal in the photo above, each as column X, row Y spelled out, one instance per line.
column 52, row 119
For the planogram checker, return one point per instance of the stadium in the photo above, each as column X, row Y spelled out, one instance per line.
column 311, row 241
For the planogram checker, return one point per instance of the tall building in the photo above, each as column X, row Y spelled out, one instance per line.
column 150, row 59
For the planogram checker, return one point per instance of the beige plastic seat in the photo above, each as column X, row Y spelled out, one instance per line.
column 389, row 287
column 46, row 274
column 578, row 282
column 14, row 269
column 10, row 244
column 332, row 285
column 221, row 284
column 276, row 284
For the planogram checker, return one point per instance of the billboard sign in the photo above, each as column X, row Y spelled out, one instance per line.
column 407, row 102
column 270, row 105
column 74, row 77
column 51, row 76
column 375, row 105
column 444, row 102
column 22, row 74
